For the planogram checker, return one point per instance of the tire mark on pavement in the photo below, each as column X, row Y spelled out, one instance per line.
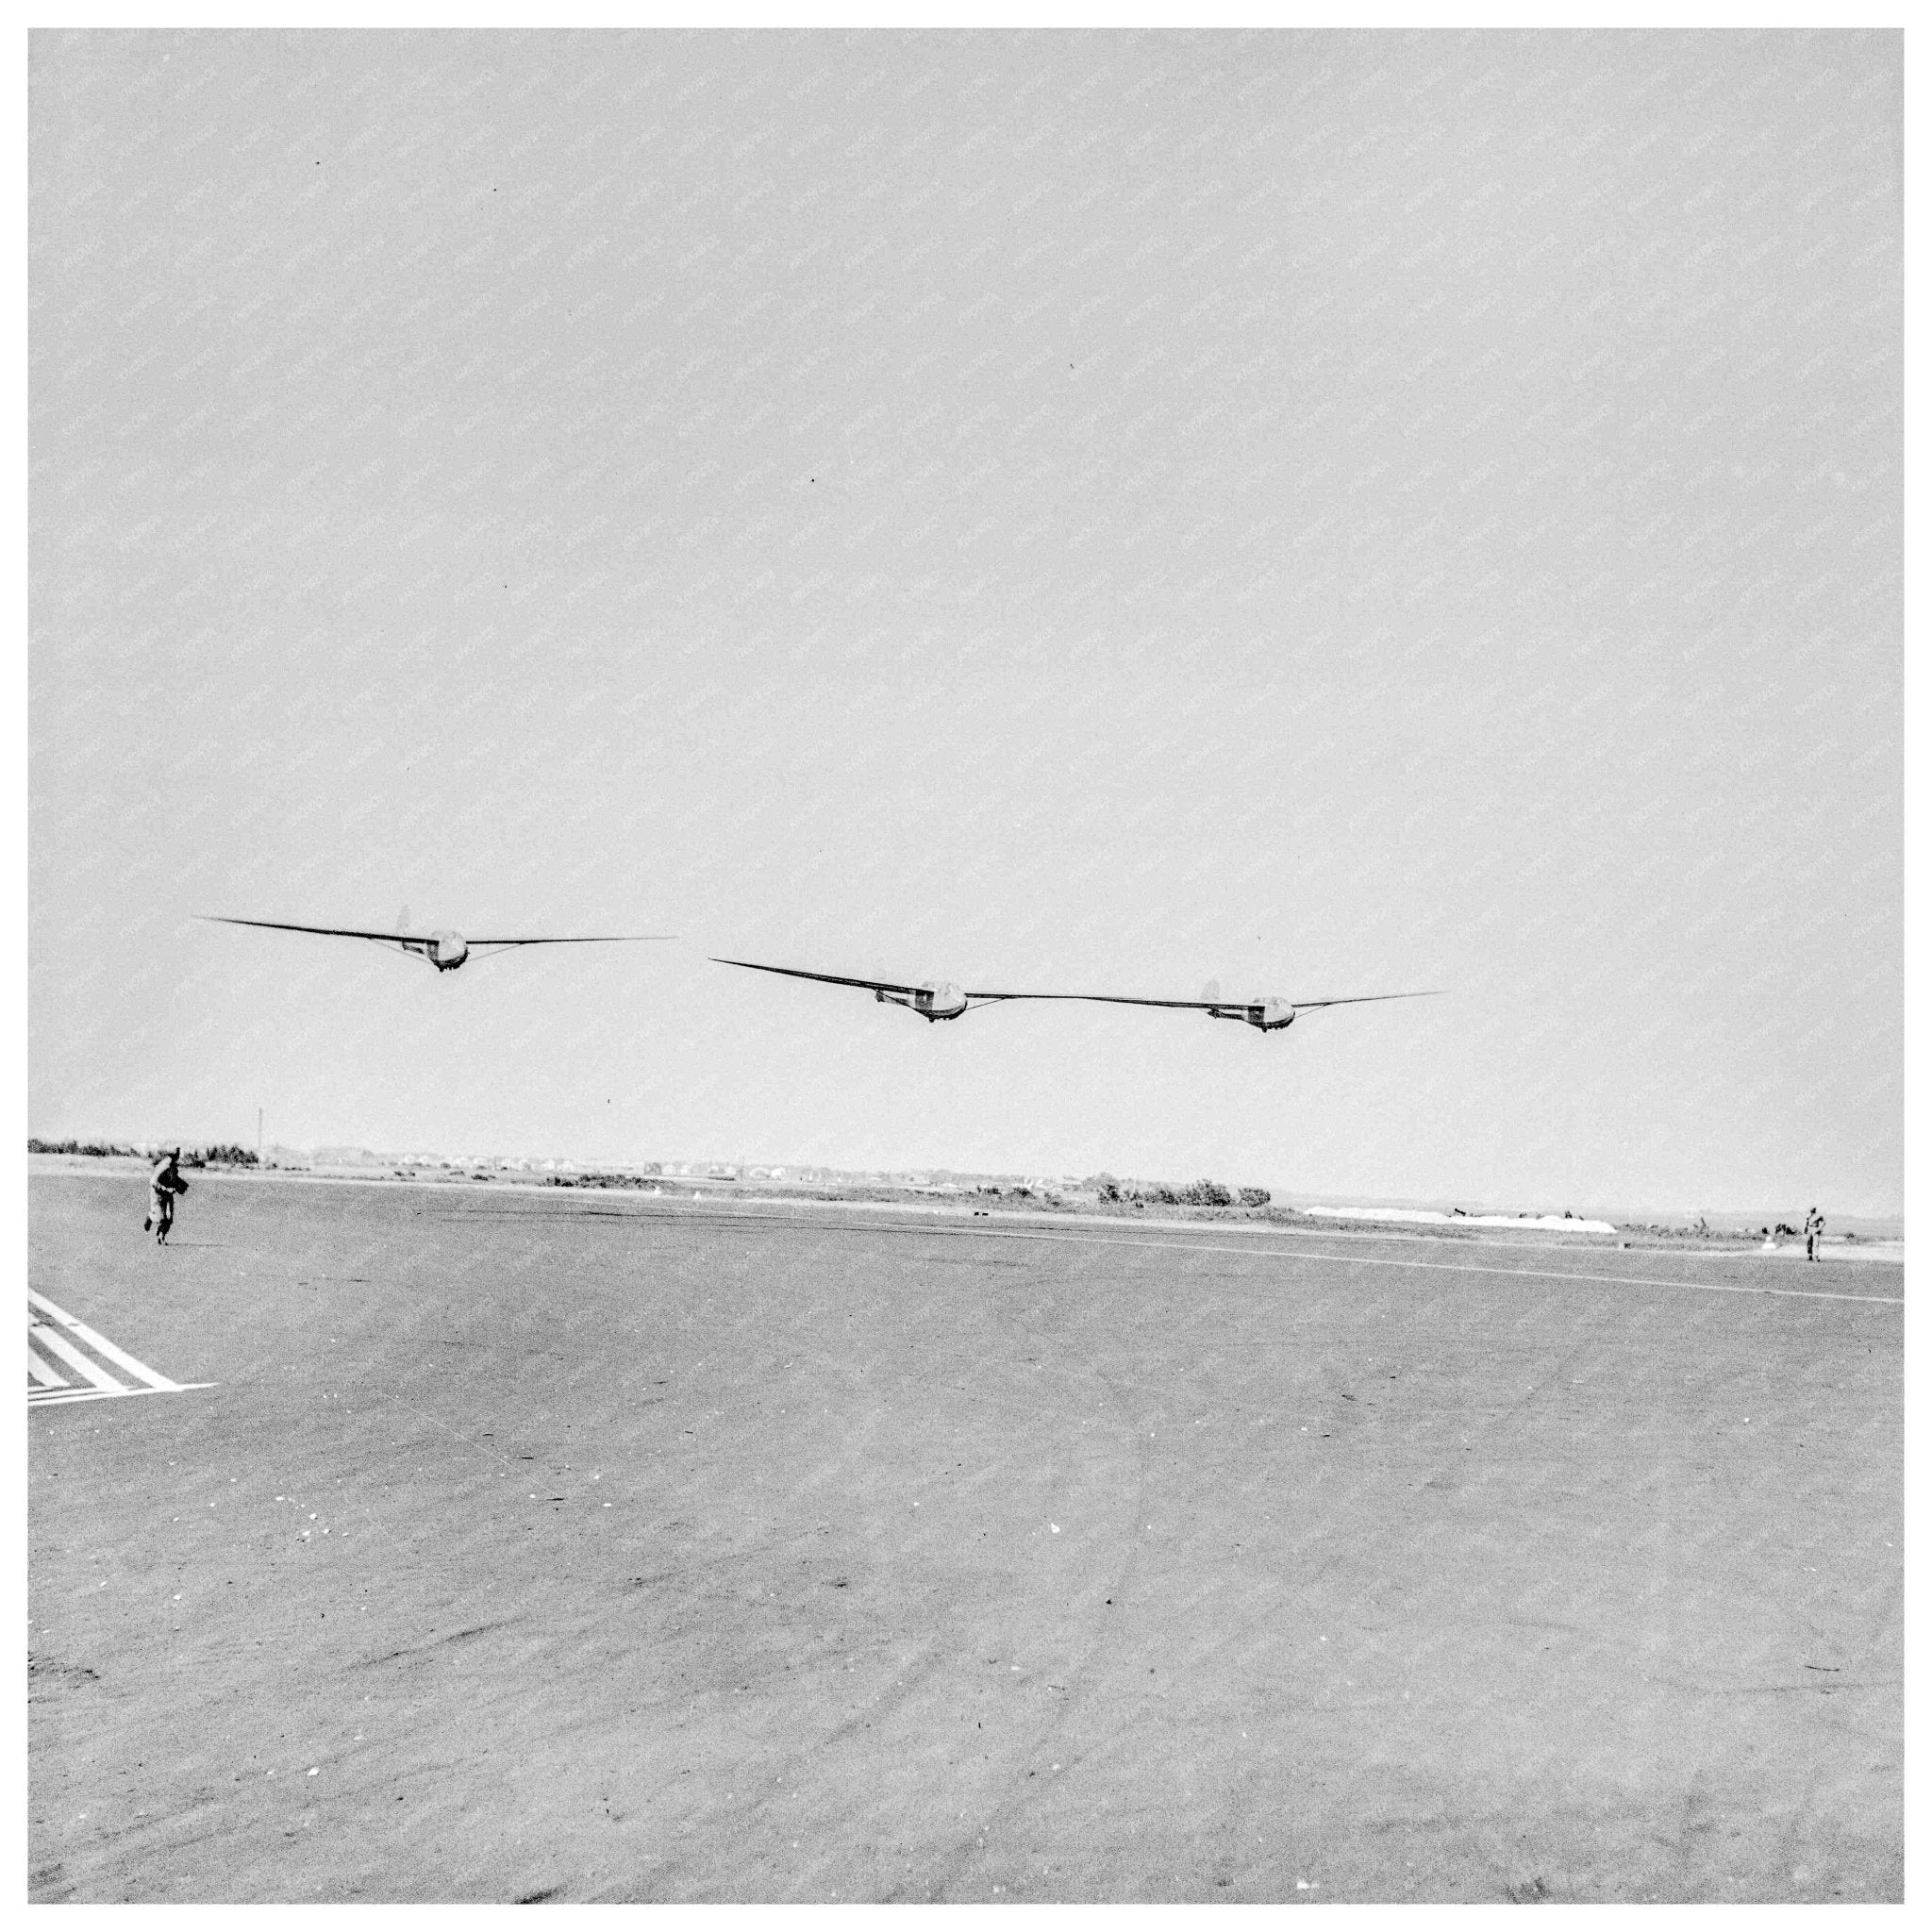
column 369, row 1663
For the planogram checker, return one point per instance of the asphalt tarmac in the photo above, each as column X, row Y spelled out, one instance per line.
column 579, row 1547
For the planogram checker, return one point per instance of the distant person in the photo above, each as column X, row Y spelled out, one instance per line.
column 164, row 1184
column 1814, row 1233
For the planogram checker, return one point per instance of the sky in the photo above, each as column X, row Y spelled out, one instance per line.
column 1332, row 513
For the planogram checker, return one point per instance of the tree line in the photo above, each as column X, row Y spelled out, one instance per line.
column 217, row 1154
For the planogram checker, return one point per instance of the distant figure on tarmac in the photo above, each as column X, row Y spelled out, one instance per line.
column 163, row 1185
column 1814, row 1233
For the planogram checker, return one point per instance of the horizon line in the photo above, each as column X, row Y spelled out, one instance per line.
column 1340, row 1197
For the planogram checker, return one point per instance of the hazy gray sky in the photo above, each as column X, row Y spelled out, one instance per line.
column 1334, row 512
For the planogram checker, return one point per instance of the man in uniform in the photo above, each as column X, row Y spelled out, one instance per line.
column 163, row 1185
column 1814, row 1233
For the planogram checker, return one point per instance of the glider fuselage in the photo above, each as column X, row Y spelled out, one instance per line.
column 942, row 1002
column 1269, row 1016
column 446, row 949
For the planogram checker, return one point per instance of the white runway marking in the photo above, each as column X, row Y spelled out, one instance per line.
column 51, row 1337
column 63, row 1338
column 1810, row 1294
column 37, row 1369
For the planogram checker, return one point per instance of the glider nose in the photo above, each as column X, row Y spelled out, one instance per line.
column 941, row 1001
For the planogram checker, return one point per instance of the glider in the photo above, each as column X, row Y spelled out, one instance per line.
column 444, row 950
column 942, row 1000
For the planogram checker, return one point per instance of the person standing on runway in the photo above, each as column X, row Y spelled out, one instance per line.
column 163, row 1185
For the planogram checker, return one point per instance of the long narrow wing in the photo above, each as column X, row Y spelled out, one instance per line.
column 337, row 932
column 607, row 939
column 1116, row 999
column 1363, row 999
column 1108, row 999
column 829, row 978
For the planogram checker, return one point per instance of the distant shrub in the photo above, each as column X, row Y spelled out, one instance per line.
column 223, row 1154
column 1024, row 1193
column 1163, row 1195
column 1205, row 1193
column 1256, row 1197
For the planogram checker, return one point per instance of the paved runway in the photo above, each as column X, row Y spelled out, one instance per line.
column 579, row 1546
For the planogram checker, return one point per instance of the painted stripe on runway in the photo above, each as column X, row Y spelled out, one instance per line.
column 64, row 1337
column 51, row 1337
column 57, row 1398
column 100, row 1343
column 1810, row 1294
column 39, row 1369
